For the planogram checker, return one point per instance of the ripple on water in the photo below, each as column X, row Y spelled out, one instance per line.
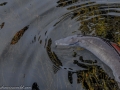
column 34, row 57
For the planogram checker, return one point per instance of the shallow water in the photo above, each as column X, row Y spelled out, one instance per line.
column 23, row 55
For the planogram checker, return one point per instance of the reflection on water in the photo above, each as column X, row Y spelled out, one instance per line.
column 2, row 25
column 2, row 4
column 28, row 53
column 19, row 34
column 53, row 57
column 96, row 19
column 64, row 3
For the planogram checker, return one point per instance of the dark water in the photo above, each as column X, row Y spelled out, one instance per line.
column 28, row 30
